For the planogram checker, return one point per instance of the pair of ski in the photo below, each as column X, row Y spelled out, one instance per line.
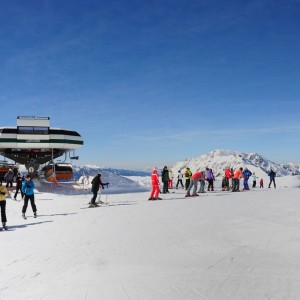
column 97, row 204
column 4, row 228
column 25, row 218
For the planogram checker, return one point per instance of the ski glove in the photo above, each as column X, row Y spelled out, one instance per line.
column 107, row 183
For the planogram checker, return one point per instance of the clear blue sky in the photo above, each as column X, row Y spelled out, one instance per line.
column 149, row 83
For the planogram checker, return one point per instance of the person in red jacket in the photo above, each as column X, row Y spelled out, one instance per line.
column 155, row 186
column 261, row 183
column 193, row 183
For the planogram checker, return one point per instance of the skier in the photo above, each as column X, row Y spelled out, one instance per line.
column 28, row 191
column 261, row 184
column 224, row 183
column 272, row 176
column 202, row 183
column 155, row 186
column 3, row 195
column 165, row 179
column 193, row 183
column 247, row 173
column 19, row 181
column 96, row 183
column 8, row 177
column 187, row 174
column 227, row 177
column 210, row 178
column 231, row 176
column 236, row 180
column 170, row 183
column 254, row 177
column 179, row 179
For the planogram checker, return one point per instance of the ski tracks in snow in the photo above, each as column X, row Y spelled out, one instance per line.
column 195, row 291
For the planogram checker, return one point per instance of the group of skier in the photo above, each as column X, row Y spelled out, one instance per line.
column 26, row 186
column 230, row 181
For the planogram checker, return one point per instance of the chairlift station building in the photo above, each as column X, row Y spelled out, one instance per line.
column 33, row 142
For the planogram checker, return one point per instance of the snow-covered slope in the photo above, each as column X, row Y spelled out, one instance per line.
column 221, row 246
column 117, row 184
column 218, row 160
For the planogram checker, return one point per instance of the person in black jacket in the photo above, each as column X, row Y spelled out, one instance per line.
column 272, row 176
column 96, row 183
column 19, row 181
column 165, row 179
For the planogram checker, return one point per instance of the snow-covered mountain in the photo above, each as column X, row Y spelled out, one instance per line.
column 218, row 160
column 120, row 180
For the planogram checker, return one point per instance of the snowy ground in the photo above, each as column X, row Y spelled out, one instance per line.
column 218, row 246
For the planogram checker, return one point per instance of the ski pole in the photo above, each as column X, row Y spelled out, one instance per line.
column 106, row 195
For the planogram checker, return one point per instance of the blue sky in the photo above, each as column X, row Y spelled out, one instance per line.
column 150, row 83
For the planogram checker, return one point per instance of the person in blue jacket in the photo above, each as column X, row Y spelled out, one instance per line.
column 272, row 176
column 247, row 173
column 28, row 191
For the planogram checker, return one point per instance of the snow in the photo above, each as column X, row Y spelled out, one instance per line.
column 220, row 245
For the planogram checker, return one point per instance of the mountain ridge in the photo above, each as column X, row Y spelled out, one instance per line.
column 92, row 170
column 220, row 159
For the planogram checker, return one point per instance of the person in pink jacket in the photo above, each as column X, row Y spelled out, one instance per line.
column 155, row 186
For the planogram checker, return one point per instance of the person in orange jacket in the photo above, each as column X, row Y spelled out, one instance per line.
column 236, row 179
column 155, row 186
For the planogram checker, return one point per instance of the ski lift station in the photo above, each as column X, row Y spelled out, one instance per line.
column 33, row 142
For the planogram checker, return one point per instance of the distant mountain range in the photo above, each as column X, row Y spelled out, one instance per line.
column 92, row 170
column 218, row 160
